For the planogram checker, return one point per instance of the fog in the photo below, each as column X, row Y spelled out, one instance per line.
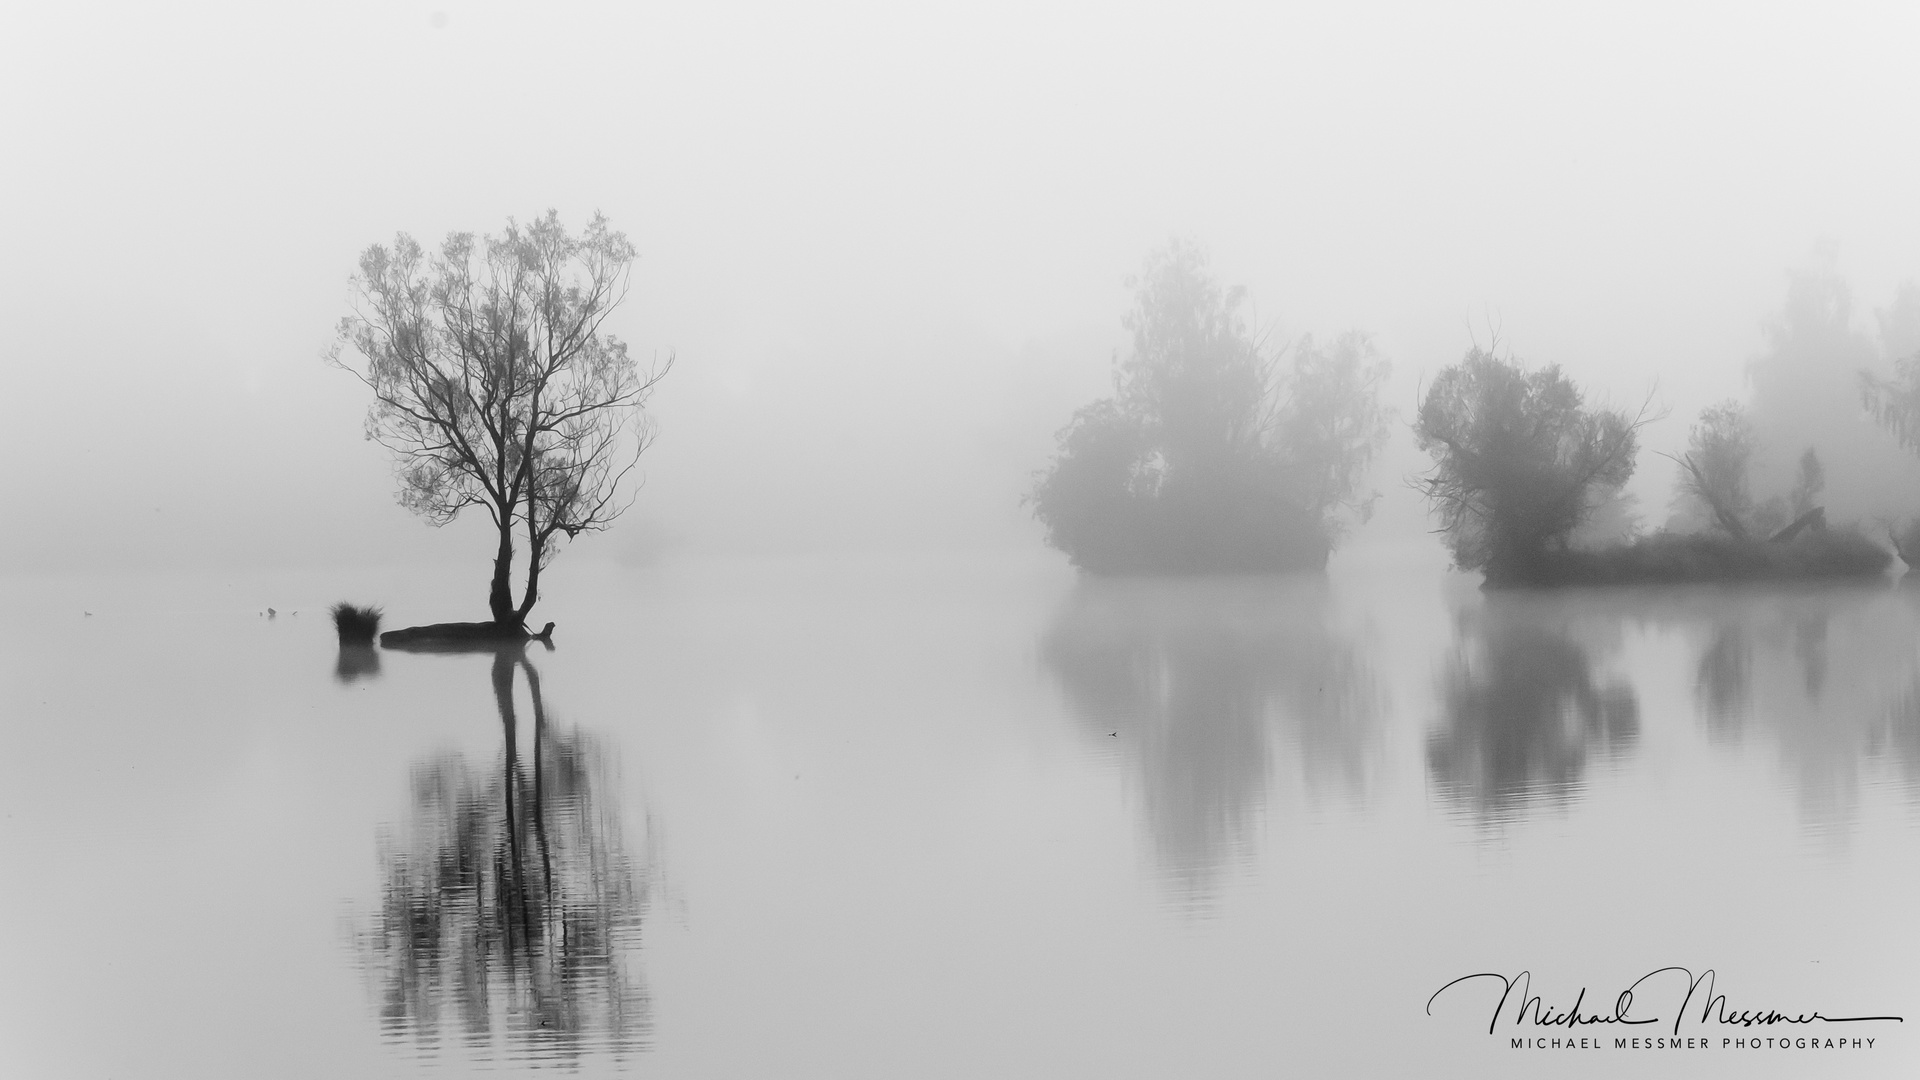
column 887, row 245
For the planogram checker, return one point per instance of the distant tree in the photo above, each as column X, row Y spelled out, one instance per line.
column 1196, row 376
column 1713, row 472
column 1330, row 424
column 1807, row 486
column 1518, row 460
column 1899, row 322
column 1210, row 455
column 495, row 385
column 1807, row 384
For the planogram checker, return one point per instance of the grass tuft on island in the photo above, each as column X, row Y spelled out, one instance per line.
column 1675, row 558
column 356, row 625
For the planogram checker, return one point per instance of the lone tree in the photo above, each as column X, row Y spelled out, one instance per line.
column 1518, row 462
column 1211, row 456
column 495, row 386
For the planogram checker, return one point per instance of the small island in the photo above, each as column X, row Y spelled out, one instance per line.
column 1527, row 483
column 461, row 635
column 1212, row 457
column 503, row 392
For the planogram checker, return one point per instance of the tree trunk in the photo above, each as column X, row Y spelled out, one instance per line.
column 536, row 546
column 532, row 595
column 500, row 597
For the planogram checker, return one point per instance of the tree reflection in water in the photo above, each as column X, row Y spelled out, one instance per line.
column 510, row 905
column 1193, row 679
column 1817, row 672
column 1724, row 682
column 1523, row 715
column 1901, row 734
column 356, row 662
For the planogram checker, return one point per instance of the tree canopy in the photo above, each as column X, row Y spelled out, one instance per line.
column 1211, row 455
column 1894, row 401
column 1519, row 461
column 495, row 384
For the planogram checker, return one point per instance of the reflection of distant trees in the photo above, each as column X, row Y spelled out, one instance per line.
column 1793, row 644
column 1723, row 682
column 1815, row 672
column 1524, row 714
column 510, row 903
column 1195, row 678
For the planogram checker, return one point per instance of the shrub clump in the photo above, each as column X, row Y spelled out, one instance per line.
column 1671, row 558
column 1211, row 456
column 356, row 625
column 1520, row 462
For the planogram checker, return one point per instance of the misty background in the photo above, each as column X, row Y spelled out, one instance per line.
column 888, row 245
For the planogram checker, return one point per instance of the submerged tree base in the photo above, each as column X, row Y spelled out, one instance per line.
column 459, row 635
column 1669, row 559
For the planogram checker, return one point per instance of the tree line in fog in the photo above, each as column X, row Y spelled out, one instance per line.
column 1222, row 451
column 496, row 385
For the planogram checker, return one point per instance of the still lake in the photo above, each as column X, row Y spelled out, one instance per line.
column 960, row 817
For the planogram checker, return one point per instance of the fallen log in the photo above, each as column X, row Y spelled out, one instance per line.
column 1815, row 519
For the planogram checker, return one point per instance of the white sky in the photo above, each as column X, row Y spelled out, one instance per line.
column 885, row 240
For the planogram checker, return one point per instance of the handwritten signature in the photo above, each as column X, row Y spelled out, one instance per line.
column 1714, row 1007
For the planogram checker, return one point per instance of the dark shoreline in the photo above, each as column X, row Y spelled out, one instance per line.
column 1667, row 559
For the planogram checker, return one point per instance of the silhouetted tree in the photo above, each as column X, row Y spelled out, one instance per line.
column 1518, row 461
column 1210, row 455
column 495, row 385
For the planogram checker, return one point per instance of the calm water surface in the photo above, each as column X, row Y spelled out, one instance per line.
column 951, row 818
